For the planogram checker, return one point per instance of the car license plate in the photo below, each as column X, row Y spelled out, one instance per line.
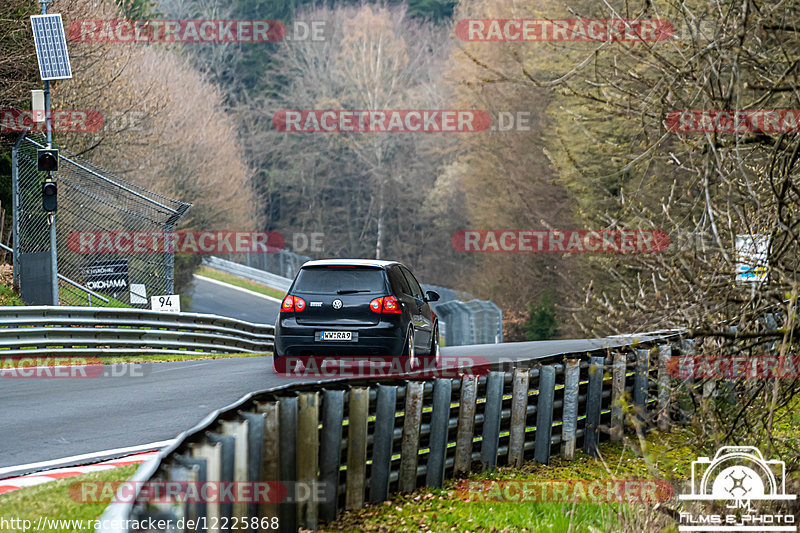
column 336, row 336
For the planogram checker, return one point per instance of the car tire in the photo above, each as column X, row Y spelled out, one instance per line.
column 410, row 352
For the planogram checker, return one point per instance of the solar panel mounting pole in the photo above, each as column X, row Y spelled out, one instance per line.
column 51, row 216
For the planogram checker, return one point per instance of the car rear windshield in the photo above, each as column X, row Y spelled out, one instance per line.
column 338, row 280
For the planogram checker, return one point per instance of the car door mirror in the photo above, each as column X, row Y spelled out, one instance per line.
column 431, row 296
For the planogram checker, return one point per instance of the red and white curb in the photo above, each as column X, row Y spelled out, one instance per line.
column 29, row 480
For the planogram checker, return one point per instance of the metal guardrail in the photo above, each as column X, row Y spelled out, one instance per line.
column 46, row 330
column 254, row 274
column 357, row 441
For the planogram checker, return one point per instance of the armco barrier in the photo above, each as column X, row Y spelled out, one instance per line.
column 358, row 441
column 45, row 330
column 260, row 276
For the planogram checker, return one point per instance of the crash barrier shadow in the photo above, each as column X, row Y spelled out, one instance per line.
column 104, row 331
column 337, row 445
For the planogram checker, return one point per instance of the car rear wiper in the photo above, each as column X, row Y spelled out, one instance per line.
column 350, row 291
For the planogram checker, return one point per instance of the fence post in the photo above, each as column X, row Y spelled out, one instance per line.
column 664, row 353
column 211, row 454
column 255, row 438
column 308, row 455
column 617, row 395
column 594, row 404
column 287, row 444
column 330, row 452
column 358, row 412
column 491, row 420
column 227, row 455
column 641, row 383
column 409, row 447
column 382, row 443
column 466, row 423
column 519, row 415
column 239, row 430
column 440, row 419
column 270, row 456
column 544, row 414
column 569, row 416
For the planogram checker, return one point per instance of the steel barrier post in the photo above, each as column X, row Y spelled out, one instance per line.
column 308, row 458
column 440, row 419
column 228, row 455
column 287, row 445
column 466, row 425
column 641, row 383
column 569, row 416
column 594, row 404
column 330, row 452
column 270, row 456
column 664, row 354
column 617, row 395
column 491, row 420
column 382, row 443
column 255, row 438
column 239, row 431
column 544, row 414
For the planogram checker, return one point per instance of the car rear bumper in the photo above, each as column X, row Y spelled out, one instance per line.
column 384, row 338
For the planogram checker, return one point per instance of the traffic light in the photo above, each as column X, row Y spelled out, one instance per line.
column 49, row 196
column 48, row 160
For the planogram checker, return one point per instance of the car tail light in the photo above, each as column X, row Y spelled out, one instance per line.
column 391, row 305
column 385, row 304
column 292, row 304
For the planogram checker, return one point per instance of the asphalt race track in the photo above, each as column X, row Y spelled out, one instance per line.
column 214, row 299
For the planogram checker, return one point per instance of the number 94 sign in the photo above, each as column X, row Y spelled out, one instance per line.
column 168, row 303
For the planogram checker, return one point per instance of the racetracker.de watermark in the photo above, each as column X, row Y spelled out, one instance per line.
column 158, row 491
column 733, row 121
column 381, row 121
column 179, row 242
column 69, row 367
column 566, row 491
column 581, row 30
column 560, row 241
column 737, row 367
column 452, row 367
column 61, row 121
column 176, row 31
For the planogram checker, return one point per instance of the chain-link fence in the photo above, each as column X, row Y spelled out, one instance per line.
column 91, row 203
column 472, row 322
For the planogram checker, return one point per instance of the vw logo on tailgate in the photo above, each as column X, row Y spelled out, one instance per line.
column 337, row 304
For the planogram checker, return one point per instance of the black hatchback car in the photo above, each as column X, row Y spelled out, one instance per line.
column 356, row 307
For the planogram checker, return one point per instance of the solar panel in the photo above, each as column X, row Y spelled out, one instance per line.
column 51, row 47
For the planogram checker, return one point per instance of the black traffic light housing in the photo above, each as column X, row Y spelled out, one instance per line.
column 48, row 160
column 49, row 196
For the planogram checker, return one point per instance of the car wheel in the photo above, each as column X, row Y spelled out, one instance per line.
column 410, row 352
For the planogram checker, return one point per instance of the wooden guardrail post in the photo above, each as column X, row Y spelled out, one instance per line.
column 440, row 419
column 544, row 414
column 618, row 394
column 641, row 383
column 227, row 456
column 308, row 458
column 239, row 431
column 594, row 404
column 409, row 447
column 664, row 353
column 383, row 437
column 491, row 420
column 358, row 412
column 287, row 444
column 519, row 415
column 569, row 416
column 255, row 438
column 270, row 458
column 466, row 426
column 330, row 452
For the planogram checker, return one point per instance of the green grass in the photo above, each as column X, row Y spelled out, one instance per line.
column 8, row 297
column 240, row 282
column 668, row 456
column 52, row 500
column 69, row 295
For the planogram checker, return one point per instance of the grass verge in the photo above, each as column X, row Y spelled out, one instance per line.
column 52, row 501
column 38, row 360
column 240, row 282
